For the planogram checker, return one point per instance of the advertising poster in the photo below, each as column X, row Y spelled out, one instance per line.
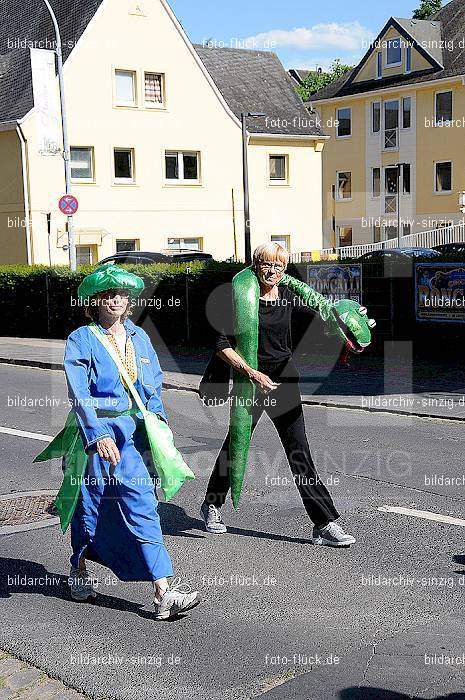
column 335, row 281
column 440, row 292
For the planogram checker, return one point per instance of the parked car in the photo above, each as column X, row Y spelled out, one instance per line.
column 450, row 248
column 138, row 257
column 398, row 254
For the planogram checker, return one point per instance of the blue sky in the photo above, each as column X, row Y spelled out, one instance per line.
column 303, row 33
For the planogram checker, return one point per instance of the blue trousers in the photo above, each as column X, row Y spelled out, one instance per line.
column 116, row 522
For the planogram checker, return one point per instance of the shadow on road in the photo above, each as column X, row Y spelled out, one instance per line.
column 380, row 694
column 19, row 576
column 176, row 522
column 459, row 559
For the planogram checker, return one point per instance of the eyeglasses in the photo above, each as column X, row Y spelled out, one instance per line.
column 272, row 266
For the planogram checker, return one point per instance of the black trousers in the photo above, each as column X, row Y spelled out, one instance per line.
column 284, row 407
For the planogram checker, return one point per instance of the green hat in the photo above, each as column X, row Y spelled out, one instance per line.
column 110, row 276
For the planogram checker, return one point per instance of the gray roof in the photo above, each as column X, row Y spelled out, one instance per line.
column 26, row 23
column 248, row 80
column 448, row 24
column 427, row 33
column 256, row 81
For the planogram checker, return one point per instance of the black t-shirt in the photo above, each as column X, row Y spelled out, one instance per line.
column 274, row 326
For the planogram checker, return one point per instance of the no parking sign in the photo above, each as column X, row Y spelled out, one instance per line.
column 68, row 205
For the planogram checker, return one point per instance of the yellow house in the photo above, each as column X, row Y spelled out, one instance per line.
column 397, row 127
column 155, row 135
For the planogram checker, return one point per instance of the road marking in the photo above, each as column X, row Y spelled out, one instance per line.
column 424, row 514
column 23, row 433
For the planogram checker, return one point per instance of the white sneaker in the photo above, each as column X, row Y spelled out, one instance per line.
column 211, row 516
column 81, row 585
column 176, row 601
column 332, row 535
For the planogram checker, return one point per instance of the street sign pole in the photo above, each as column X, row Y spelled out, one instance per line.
column 64, row 124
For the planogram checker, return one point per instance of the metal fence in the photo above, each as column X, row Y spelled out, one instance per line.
column 422, row 239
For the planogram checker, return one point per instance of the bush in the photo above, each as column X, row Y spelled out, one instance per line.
column 41, row 302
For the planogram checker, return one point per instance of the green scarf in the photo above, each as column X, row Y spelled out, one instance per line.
column 246, row 294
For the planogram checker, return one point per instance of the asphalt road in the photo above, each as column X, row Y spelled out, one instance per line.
column 280, row 618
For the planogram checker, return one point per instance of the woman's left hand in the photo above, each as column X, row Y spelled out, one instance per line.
column 108, row 451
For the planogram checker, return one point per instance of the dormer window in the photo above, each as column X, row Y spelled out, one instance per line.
column 393, row 53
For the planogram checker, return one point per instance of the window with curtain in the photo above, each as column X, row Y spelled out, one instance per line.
column 154, row 89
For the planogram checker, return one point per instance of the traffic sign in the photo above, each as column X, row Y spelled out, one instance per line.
column 68, row 205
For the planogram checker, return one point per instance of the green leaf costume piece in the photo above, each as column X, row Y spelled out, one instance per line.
column 246, row 295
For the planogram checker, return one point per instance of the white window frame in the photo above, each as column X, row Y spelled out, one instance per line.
column 408, row 59
column 285, row 237
column 121, row 104
column 180, row 180
column 136, row 242
column 373, row 195
column 154, row 105
column 285, row 180
column 397, row 63
column 377, row 102
column 343, row 199
column 402, row 193
column 401, row 112
column 443, row 192
column 125, row 180
column 339, row 236
column 346, row 136
column 84, row 180
column 379, row 65
column 394, row 198
column 184, row 238
column 442, row 92
column 394, row 148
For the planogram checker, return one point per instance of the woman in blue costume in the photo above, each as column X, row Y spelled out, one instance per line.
column 115, row 521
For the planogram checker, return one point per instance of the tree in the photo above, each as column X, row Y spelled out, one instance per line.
column 427, row 9
column 318, row 80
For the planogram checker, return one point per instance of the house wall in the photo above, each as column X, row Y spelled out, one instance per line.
column 13, row 247
column 194, row 119
column 294, row 208
column 344, row 154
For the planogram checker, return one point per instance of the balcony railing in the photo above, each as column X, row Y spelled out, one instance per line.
column 391, row 139
column 422, row 239
column 390, row 204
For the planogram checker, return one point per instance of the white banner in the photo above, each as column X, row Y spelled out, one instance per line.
column 46, row 101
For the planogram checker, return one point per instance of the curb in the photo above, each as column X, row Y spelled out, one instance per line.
column 58, row 366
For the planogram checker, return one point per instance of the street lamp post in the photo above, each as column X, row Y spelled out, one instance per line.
column 245, row 173
column 64, row 125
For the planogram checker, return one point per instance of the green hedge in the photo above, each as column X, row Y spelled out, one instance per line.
column 41, row 302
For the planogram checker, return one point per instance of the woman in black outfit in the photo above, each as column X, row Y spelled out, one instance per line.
column 276, row 380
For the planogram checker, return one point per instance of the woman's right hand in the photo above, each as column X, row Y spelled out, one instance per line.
column 263, row 382
column 108, row 451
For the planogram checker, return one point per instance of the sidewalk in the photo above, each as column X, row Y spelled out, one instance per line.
column 428, row 388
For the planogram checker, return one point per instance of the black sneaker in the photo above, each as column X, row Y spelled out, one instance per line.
column 332, row 535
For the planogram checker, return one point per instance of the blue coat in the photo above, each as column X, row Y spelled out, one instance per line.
column 94, row 382
column 116, row 522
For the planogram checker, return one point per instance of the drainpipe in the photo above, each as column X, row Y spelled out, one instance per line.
column 27, row 210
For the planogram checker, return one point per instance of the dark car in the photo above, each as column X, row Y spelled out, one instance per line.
column 138, row 257
column 398, row 254
column 450, row 248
